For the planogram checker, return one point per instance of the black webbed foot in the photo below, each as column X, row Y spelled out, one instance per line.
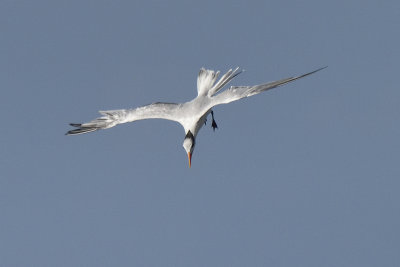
column 213, row 123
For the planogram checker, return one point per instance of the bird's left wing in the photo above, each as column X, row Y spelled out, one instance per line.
column 237, row 92
column 110, row 118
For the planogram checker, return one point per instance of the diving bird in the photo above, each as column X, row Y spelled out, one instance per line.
column 191, row 115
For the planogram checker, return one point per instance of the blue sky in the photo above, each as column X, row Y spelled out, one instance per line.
column 304, row 175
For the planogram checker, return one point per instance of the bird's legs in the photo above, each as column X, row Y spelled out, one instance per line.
column 213, row 123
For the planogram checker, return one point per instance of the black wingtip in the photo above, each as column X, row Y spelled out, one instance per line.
column 81, row 130
column 321, row 68
column 309, row 73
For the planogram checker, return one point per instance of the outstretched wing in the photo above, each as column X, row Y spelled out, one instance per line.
column 237, row 92
column 206, row 81
column 110, row 118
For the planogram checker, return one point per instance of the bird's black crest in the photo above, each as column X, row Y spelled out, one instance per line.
column 189, row 135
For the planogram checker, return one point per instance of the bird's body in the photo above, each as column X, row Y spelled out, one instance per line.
column 191, row 115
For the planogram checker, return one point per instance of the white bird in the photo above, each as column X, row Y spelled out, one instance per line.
column 191, row 115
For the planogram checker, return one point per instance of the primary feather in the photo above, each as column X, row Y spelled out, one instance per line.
column 111, row 118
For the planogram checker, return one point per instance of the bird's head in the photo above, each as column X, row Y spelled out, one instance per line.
column 188, row 145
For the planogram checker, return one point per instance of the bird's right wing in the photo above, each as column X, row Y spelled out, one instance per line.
column 110, row 118
column 237, row 92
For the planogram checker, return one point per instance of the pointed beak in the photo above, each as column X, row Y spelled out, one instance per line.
column 190, row 159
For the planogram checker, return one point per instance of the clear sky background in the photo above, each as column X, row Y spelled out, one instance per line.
column 304, row 175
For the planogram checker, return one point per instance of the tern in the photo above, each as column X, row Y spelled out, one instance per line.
column 193, row 114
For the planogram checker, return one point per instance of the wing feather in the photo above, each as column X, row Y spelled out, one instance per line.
column 110, row 118
column 237, row 92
